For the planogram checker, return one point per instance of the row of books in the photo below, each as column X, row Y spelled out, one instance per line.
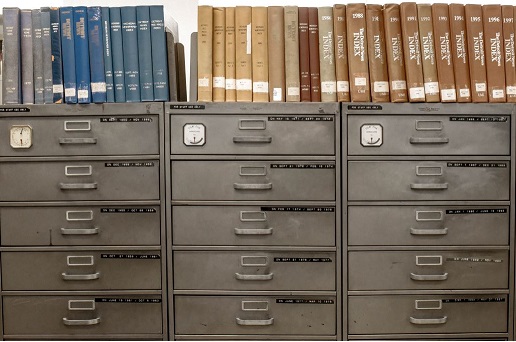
column 85, row 54
column 357, row 52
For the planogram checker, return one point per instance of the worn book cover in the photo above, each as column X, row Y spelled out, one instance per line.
column 144, row 53
column 495, row 56
column 160, row 69
column 426, row 39
column 130, row 48
column 244, row 70
column 313, row 41
column 108, row 54
column 443, row 55
column 96, row 49
column 48, row 95
column 341, row 53
column 276, row 51
column 11, row 82
column 378, row 72
column 37, row 51
column 27, row 57
column 205, row 53
column 260, row 56
column 172, row 68
column 509, row 52
column 115, row 18
column 230, row 55
column 57, row 62
column 292, row 82
column 219, row 54
column 394, row 52
column 304, row 55
column 460, row 54
column 357, row 53
column 477, row 62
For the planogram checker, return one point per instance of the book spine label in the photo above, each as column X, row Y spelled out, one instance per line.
column 292, row 82
column 11, row 87
column 477, row 63
column 357, row 53
column 313, row 40
column 107, row 52
column 394, row 52
column 460, row 54
column 172, row 68
column 159, row 54
column 47, row 56
column 443, row 55
column 130, row 49
column 259, row 54
column 219, row 54
column 96, row 49
column 27, row 57
column 341, row 53
column 426, row 34
column 230, row 71
column 37, row 51
column 377, row 54
column 205, row 54
column 82, row 59
column 276, row 42
column 145, row 54
column 327, row 55
column 244, row 82
column 304, row 55
column 68, row 54
column 495, row 64
column 57, row 60
column 509, row 52
column 117, row 54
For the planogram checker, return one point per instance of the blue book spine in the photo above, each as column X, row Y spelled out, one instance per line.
column 27, row 57
column 108, row 59
column 57, row 62
column 11, row 86
column 47, row 56
column 37, row 51
column 117, row 53
column 82, row 59
column 130, row 48
column 145, row 53
column 95, row 38
column 68, row 54
column 159, row 54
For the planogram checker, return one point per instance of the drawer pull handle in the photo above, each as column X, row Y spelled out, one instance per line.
column 429, row 277
column 92, row 276
column 77, row 141
column 240, row 231
column 414, row 140
column 254, row 276
column 79, row 231
column 416, row 186
column 239, row 186
column 78, row 186
column 252, row 139
column 415, row 231
column 421, row 321
column 92, row 321
column 260, row 322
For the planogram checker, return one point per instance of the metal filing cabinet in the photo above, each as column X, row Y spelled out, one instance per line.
column 81, row 222
column 429, row 216
column 253, row 202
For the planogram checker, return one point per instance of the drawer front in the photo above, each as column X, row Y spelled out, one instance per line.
column 74, row 226
column 74, row 181
column 409, row 270
column 255, row 315
column 423, row 314
column 250, row 180
column 254, row 225
column 428, row 180
column 82, row 315
column 85, row 135
column 255, row 134
column 81, row 270
column 242, row 270
column 428, row 225
column 432, row 134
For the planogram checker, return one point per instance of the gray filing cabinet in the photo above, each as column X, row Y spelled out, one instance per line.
column 81, row 222
column 253, row 203
column 429, row 215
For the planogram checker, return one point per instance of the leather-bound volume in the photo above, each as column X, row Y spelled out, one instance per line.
column 292, row 83
column 230, row 55
column 219, row 54
column 205, row 54
column 313, row 41
column 443, row 55
column 378, row 72
column 460, row 54
column 243, row 47
column 509, row 51
column 394, row 53
column 426, row 39
column 260, row 55
column 494, row 50
column 276, row 42
column 412, row 52
column 304, row 55
column 477, row 62
column 327, row 55
column 341, row 53
column 357, row 53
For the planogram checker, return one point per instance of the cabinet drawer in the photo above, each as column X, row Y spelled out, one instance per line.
column 255, row 315
column 243, row 270
column 86, row 225
column 254, row 225
column 428, row 180
column 79, row 180
column 432, row 134
column 250, row 180
column 85, row 135
column 400, row 314
column 81, row 270
column 428, row 225
column 406, row 270
column 82, row 315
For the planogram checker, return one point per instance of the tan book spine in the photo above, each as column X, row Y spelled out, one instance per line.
column 205, row 54
column 292, row 80
column 276, row 42
column 357, row 53
column 412, row 52
column 495, row 63
column 443, row 55
column 378, row 73
column 260, row 56
column 230, row 55
column 426, row 39
column 219, row 54
column 244, row 77
column 341, row 53
column 327, row 55
column 477, row 63
column 304, row 55
column 460, row 54
column 509, row 52
column 394, row 52
column 313, row 41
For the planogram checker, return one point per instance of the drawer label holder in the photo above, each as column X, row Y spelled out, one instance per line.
column 132, row 164
column 304, row 301
column 127, row 210
column 126, row 119
column 473, row 300
column 476, row 211
column 302, row 166
column 479, row 118
column 302, row 259
column 129, row 300
column 300, row 118
column 300, row 209
column 477, row 164
column 470, row 259
column 130, row 256
column 14, row 109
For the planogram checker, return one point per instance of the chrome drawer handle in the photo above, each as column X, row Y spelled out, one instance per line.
column 240, row 231
column 260, row 322
column 239, row 186
column 254, row 276
column 92, row 321
column 79, row 231
column 421, row 321
column 415, row 231
column 252, row 139
column 430, row 277
column 77, row 141
column 92, row 276
column 416, row 186
column 78, row 186
column 414, row 140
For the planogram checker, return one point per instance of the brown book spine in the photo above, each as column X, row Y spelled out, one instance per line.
column 495, row 64
column 276, row 50
column 230, row 55
column 304, row 55
column 443, row 55
column 182, row 95
column 219, row 54
column 292, row 82
column 460, row 54
column 341, row 53
column 260, row 55
column 426, row 39
column 313, row 41
column 477, row 63
column 205, row 54
column 377, row 54
column 244, row 77
column 509, row 52
column 327, row 55
column 412, row 52
column 394, row 52
column 357, row 53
